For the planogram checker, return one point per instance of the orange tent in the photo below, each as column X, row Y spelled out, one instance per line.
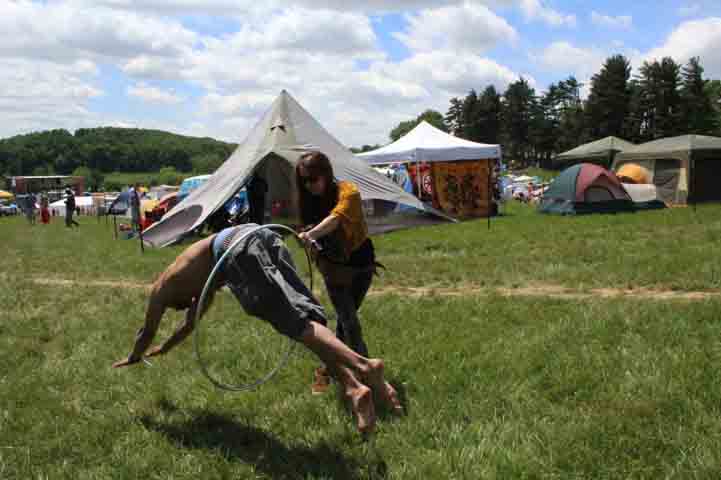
column 633, row 173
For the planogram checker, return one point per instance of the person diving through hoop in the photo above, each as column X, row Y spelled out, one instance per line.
column 261, row 274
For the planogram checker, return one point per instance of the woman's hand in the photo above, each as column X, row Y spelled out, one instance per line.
column 306, row 238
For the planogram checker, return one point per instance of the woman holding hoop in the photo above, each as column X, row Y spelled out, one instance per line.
column 332, row 214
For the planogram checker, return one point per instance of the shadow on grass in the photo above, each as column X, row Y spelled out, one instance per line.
column 251, row 445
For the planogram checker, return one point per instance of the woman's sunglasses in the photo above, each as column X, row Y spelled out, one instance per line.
column 310, row 179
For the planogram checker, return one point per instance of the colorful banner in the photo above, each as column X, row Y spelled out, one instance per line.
column 461, row 188
column 426, row 193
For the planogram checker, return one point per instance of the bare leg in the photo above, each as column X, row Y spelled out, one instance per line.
column 336, row 354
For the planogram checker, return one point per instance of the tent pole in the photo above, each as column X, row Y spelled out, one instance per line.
column 140, row 236
column 691, row 179
column 489, row 194
column 115, row 227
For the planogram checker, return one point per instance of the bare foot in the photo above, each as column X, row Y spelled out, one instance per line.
column 361, row 400
column 383, row 390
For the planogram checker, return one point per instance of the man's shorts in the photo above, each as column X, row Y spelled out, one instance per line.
column 261, row 274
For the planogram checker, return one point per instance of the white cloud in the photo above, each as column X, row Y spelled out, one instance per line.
column 462, row 28
column 565, row 59
column 693, row 38
column 689, row 10
column 65, row 32
column 38, row 95
column 620, row 21
column 315, row 54
column 253, row 7
column 536, row 10
column 154, row 95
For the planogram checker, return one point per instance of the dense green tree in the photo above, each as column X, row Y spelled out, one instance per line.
column 470, row 122
column 697, row 112
column 633, row 122
column 713, row 90
column 518, row 105
column 105, row 150
column 205, row 163
column 489, row 110
column 454, row 116
column 169, row 176
column 572, row 125
column 660, row 101
column 608, row 100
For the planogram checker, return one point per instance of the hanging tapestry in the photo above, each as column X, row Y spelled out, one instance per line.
column 462, row 187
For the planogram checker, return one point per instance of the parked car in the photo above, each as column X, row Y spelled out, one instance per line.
column 8, row 209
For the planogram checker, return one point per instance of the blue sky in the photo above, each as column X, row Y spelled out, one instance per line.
column 212, row 67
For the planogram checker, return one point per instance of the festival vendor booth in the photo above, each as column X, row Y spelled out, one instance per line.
column 453, row 174
column 601, row 152
column 683, row 169
column 271, row 151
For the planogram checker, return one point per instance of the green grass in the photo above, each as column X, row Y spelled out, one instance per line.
column 143, row 178
column 495, row 387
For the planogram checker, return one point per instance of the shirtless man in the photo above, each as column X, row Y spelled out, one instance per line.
column 297, row 315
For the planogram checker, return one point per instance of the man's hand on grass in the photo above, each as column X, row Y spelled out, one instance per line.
column 125, row 362
column 156, row 350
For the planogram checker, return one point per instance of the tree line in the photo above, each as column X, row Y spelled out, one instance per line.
column 664, row 99
column 95, row 152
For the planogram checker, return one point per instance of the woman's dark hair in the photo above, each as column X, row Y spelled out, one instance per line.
column 313, row 209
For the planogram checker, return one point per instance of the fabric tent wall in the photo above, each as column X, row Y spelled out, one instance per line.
column 600, row 152
column 680, row 166
column 273, row 147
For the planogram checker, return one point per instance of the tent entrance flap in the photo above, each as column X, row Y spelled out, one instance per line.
column 707, row 180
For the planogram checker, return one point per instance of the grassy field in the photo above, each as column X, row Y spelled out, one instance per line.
column 144, row 178
column 497, row 383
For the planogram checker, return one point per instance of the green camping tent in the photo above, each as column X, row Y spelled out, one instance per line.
column 585, row 188
column 600, row 152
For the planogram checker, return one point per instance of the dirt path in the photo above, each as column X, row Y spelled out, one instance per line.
column 549, row 291
column 539, row 290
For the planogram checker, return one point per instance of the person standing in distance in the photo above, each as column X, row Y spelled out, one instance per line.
column 70, row 209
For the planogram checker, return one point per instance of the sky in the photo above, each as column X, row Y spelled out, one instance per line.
column 213, row 67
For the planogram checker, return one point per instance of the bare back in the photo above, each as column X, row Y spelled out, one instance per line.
column 185, row 278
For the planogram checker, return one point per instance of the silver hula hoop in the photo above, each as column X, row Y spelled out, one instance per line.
column 201, row 304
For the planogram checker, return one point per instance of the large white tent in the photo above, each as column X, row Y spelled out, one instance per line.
column 82, row 202
column 426, row 143
column 272, row 148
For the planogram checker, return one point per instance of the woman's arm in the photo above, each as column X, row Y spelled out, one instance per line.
column 326, row 227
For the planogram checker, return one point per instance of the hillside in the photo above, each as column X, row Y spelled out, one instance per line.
column 109, row 149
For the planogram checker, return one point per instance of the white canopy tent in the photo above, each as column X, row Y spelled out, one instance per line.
column 58, row 208
column 426, row 143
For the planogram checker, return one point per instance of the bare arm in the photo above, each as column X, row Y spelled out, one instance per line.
column 326, row 227
column 184, row 329
column 181, row 332
column 153, row 315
